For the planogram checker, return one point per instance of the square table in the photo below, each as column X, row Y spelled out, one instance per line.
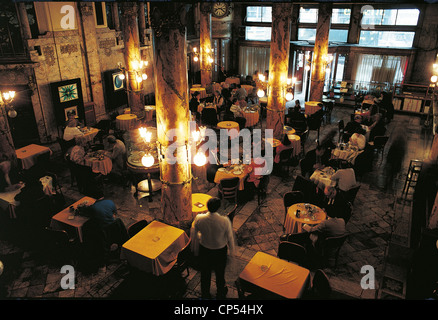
column 28, row 154
column 275, row 275
column 199, row 203
column 61, row 221
column 8, row 202
column 155, row 248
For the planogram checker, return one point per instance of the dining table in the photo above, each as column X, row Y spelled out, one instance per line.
column 230, row 125
column 296, row 144
column 231, row 80
column 199, row 203
column 99, row 162
column 346, row 152
column 8, row 202
column 251, row 116
column 155, row 248
column 28, row 154
column 201, row 90
column 310, row 107
column 70, row 222
column 308, row 214
column 89, row 135
column 149, row 112
column 322, row 177
column 273, row 142
column 275, row 276
column 126, row 121
column 233, row 170
column 203, row 106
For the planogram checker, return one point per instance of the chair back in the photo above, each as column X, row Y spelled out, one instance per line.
column 56, row 238
column 314, row 121
column 333, row 244
column 380, row 142
column 136, row 227
column 241, row 121
column 307, row 187
column 115, row 232
column 292, row 252
column 228, row 188
column 232, row 213
column 351, row 194
column 209, row 117
column 286, row 155
column 292, row 197
column 321, row 287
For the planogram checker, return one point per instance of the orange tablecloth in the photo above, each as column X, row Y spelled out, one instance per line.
column 203, row 106
column 28, row 154
column 296, row 143
column 199, row 199
column 366, row 114
column 252, row 118
column 60, row 221
column 126, row 121
column 230, row 125
column 201, row 90
column 89, row 134
column 228, row 172
column 231, row 80
column 276, row 275
column 249, row 89
column 294, row 224
column 310, row 107
column 99, row 166
column 155, row 248
column 346, row 154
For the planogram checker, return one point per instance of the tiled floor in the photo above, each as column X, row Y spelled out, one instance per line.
column 379, row 237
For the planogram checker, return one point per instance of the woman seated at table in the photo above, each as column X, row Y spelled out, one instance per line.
column 71, row 131
column 285, row 145
column 314, row 159
column 377, row 128
column 194, row 103
column 5, row 179
column 358, row 140
column 352, row 127
column 77, row 153
column 345, row 177
column 218, row 101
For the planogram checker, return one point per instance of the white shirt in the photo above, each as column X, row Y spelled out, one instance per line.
column 345, row 178
column 71, row 133
column 358, row 140
column 213, row 230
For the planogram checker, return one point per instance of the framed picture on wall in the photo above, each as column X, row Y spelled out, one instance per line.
column 118, row 82
column 71, row 111
column 67, row 97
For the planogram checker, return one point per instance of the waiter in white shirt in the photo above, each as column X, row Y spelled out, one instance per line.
column 216, row 236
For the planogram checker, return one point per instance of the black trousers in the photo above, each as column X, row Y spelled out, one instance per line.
column 212, row 260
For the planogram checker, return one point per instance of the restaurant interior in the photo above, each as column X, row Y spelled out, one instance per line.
column 314, row 123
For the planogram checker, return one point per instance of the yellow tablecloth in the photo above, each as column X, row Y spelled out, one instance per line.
column 294, row 224
column 348, row 154
column 201, row 90
column 263, row 100
column 199, row 203
column 99, row 166
column 322, row 179
column 155, row 248
column 276, row 275
column 230, row 125
column 228, row 172
column 252, row 118
column 274, row 142
column 89, row 134
column 296, row 143
column 8, row 202
column 310, row 107
column 28, row 154
column 126, row 121
column 231, row 80
column 60, row 221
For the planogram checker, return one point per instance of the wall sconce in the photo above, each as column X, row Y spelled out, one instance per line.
column 328, row 61
column 197, row 137
column 308, row 61
column 195, row 54
column 138, row 71
column 209, row 53
column 148, row 159
column 6, row 99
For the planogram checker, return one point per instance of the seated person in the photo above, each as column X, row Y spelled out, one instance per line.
column 117, row 153
column 314, row 159
column 212, row 164
column 377, row 128
column 194, row 103
column 285, row 145
column 218, row 101
column 72, row 131
column 77, row 153
column 358, row 140
column 354, row 126
column 240, row 93
column 5, row 169
column 333, row 226
column 345, row 178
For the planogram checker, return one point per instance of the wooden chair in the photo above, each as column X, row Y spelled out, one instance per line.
column 262, row 188
column 228, row 188
column 350, row 195
column 287, row 161
column 331, row 246
column 292, row 252
column 183, row 260
column 321, row 288
column 232, row 213
column 379, row 144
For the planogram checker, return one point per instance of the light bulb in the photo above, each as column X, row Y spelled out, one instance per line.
column 144, row 76
column 12, row 94
column 147, row 160
column 294, row 80
column 261, row 77
column 210, row 60
column 196, row 59
column 139, row 79
column 289, row 96
column 260, row 93
column 307, row 67
column 121, row 76
column 200, row 159
column 432, row 79
column 12, row 113
column 195, row 49
column 6, row 95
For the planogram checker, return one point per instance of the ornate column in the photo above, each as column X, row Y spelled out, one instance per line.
column 24, row 23
column 205, row 44
column 88, row 24
column 115, row 13
column 320, row 51
column 172, row 109
column 141, row 22
column 278, row 66
column 131, row 41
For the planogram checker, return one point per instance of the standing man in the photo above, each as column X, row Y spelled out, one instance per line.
column 216, row 236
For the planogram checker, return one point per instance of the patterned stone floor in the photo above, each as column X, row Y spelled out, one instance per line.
column 379, row 237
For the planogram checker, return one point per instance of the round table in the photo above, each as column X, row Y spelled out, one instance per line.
column 126, row 121
column 310, row 107
column 97, row 165
column 149, row 112
column 252, row 118
column 147, row 186
column 199, row 203
column 296, row 143
column 230, row 125
column 322, row 178
column 274, row 142
column 202, row 91
column 293, row 224
column 89, row 135
column 288, row 130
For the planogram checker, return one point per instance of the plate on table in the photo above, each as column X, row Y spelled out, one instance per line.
column 237, row 172
column 221, row 169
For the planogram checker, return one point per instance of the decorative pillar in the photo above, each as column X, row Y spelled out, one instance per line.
column 88, row 24
column 24, row 23
column 320, row 52
column 141, row 22
column 6, row 143
column 172, row 109
column 278, row 66
column 115, row 13
column 132, row 55
column 205, row 44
